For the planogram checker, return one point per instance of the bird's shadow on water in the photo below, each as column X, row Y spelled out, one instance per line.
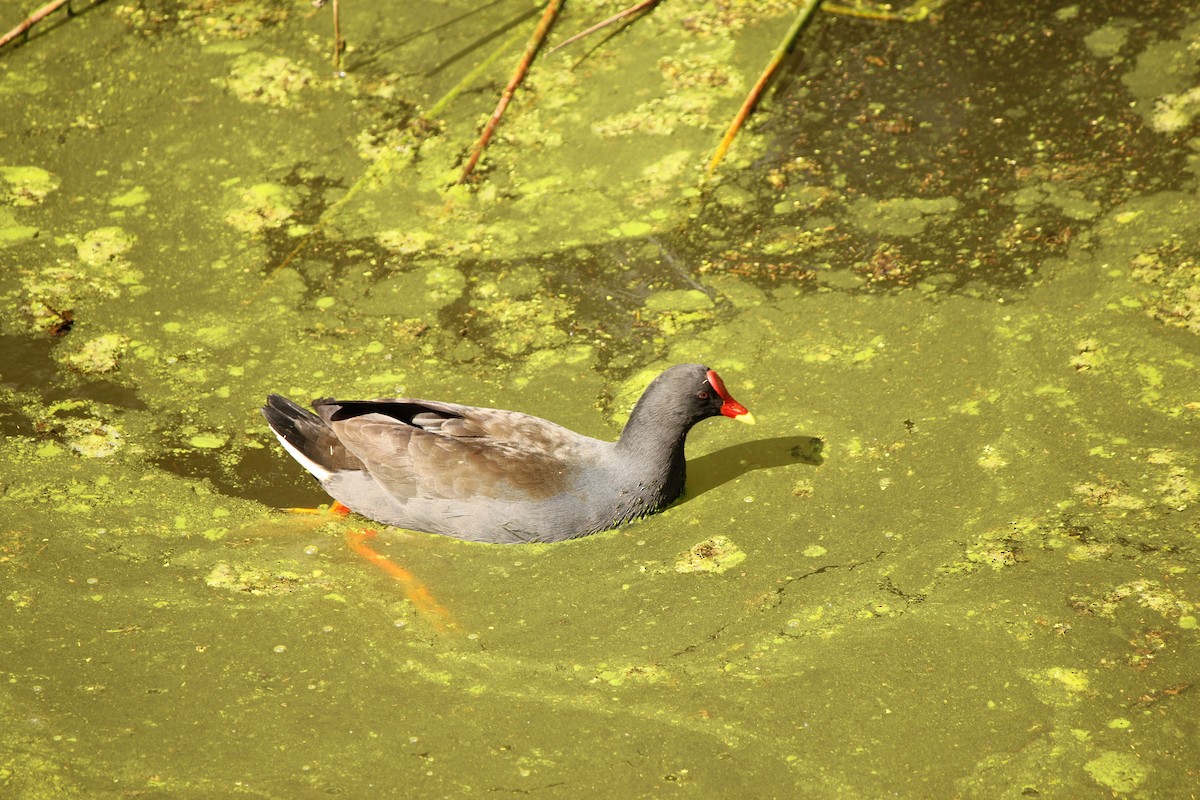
column 712, row 470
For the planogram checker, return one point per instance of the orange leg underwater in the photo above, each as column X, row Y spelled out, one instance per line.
column 416, row 592
column 335, row 508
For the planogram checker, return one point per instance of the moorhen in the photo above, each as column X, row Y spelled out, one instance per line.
column 500, row 476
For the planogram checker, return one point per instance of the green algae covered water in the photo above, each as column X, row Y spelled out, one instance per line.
column 951, row 266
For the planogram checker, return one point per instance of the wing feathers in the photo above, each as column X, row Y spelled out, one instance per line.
column 445, row 451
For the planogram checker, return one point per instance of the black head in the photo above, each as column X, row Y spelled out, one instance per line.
column 682, row 396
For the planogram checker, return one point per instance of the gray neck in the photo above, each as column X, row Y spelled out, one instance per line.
column 651, row 451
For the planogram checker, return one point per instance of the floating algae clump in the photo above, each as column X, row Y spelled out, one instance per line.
column 716, row 555
column 1007, row 545
column 1174, row 111
column 901, row 216
column 1121, row 772
column 77, row 424
column 254, row 580
column 263, row 206
column 1172, row 272
column 677, row 310
column 26, row 186
column 12, row 231
column 519, row 326
column 633, row 673
column 91, row 437
column 1170, row 603
column 418, row 294
column 1060, row 686
column 50, row 293
column 270, row 80
column 102, row 245
column 208, row 441
column 99, row 355
column 517, row 315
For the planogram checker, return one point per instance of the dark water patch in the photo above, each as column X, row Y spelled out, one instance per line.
column 27, row 365
column 324, row 263
column 37, row 393
column 945, row 155
column 262, row 474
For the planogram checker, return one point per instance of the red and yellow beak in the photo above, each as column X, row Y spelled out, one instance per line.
column 729, row 407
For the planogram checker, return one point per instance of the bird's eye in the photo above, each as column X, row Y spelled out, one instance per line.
column 702, row 394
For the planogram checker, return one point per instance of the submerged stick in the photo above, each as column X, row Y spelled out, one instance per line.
column 535, row 42
column 437, row 108
column 339, row 43
column 617, row 17
column 785, row 47
column 33, row 19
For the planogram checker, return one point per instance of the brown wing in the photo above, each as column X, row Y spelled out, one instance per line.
column 418, row 448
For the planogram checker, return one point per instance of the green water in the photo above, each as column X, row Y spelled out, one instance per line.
column 951, row 266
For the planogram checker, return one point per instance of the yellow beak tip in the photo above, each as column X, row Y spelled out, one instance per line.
column 747, row 418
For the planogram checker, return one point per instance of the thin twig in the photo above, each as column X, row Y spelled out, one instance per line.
column 339, row 43
column 535, row 42
column 620, row 15
column 781, row 52
column 33, row 19
column 492, row 35
column 435, row 110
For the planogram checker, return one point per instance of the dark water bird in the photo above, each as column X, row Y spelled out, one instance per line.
column 500, row 476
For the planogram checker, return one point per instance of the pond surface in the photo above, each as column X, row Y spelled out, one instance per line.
column 951, row 265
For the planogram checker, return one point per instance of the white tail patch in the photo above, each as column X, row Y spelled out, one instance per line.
column 316, row 469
